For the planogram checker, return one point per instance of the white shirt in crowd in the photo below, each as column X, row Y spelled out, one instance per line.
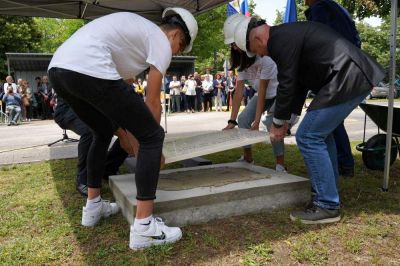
column 207, row 86
column 190, row 87
column 263, row 68
column 119, row 45
column 5, row 86
column 175, row 88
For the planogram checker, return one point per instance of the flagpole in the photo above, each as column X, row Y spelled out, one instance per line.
column 238, row 2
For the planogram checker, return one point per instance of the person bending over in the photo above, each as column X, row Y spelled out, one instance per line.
column 263, row 72
column 66, row 118
column 88, row 72
column 311, row 55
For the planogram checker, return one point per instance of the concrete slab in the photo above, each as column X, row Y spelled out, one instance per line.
column 196, row 161
column 199, row 194
column 188, row 147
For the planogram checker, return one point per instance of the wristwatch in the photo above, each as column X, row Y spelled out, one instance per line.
column 276, row 125
column 230, row 121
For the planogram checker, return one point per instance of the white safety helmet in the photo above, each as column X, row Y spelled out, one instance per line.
column 189, row 21
column 230, row 25
column 241, row 35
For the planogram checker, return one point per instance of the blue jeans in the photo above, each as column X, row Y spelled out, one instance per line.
column 247, row 116
column 345, row 157
column 316, row 143
column 14, row 111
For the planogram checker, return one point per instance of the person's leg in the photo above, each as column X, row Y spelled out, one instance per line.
column 85, row 96
column 205, row 102
column 140, row 122
column 172, row 103
column 115, row 158
column 317, row 147
column 11, row 114
column 192, row 103
column 245, row 120
column 219, row 102
column 228, row 101
column 17, row 111
column 278, row 148
column 345, row 156
column 76, row 125
column 178, row 103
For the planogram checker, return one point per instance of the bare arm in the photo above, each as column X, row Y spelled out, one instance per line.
column 262, row 90
column 237, row 99
column 153, row 93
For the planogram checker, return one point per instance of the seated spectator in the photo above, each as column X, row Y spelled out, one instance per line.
column 9, row 82
column 13, row 105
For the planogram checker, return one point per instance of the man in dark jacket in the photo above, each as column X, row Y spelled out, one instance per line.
column 338, row 18
column 312, row 56
column 66, row 118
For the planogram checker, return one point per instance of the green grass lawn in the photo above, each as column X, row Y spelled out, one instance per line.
column 40, row 216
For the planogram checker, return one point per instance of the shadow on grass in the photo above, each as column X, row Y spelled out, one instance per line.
column 226, row 241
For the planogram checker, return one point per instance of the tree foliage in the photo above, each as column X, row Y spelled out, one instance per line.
column 375, row 41
column 17, row 34
column 56, row 31
column 366, row 8
column 210, row 39
column 209, row 46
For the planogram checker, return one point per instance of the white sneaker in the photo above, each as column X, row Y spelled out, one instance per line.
column 242, row 160
column 280, row 168
column 92, row 217
column 157, row 234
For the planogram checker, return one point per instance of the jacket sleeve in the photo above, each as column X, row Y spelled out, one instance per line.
column 287, row 56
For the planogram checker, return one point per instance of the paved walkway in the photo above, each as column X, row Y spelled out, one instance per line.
column 28, row 142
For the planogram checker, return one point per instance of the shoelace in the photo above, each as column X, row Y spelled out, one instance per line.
column 159, row 220
column 311, row 209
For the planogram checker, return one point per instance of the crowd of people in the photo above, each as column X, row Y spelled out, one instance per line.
column 197, row 92
column 21, row 101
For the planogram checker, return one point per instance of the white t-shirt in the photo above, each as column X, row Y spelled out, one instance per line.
column 5, row 86
column 190, row 87
column 119, row 45
column 263, row 68
column 175, row 88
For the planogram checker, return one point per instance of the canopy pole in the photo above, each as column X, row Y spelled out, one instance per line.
column 392, row 77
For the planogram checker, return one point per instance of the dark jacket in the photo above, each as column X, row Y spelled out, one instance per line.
column 335, row 16
column 63, row 114
column 312, row 56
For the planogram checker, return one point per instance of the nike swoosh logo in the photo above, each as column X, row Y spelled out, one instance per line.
column 147, row 223
column 160, row 237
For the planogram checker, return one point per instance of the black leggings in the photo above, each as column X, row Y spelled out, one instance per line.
column 191, row 100
column 105, row 105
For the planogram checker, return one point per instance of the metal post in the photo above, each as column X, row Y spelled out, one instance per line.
column 392, row 77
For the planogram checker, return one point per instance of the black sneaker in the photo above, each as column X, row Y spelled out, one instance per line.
column 316, row 215
column 81, row 188
column 346, row 171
